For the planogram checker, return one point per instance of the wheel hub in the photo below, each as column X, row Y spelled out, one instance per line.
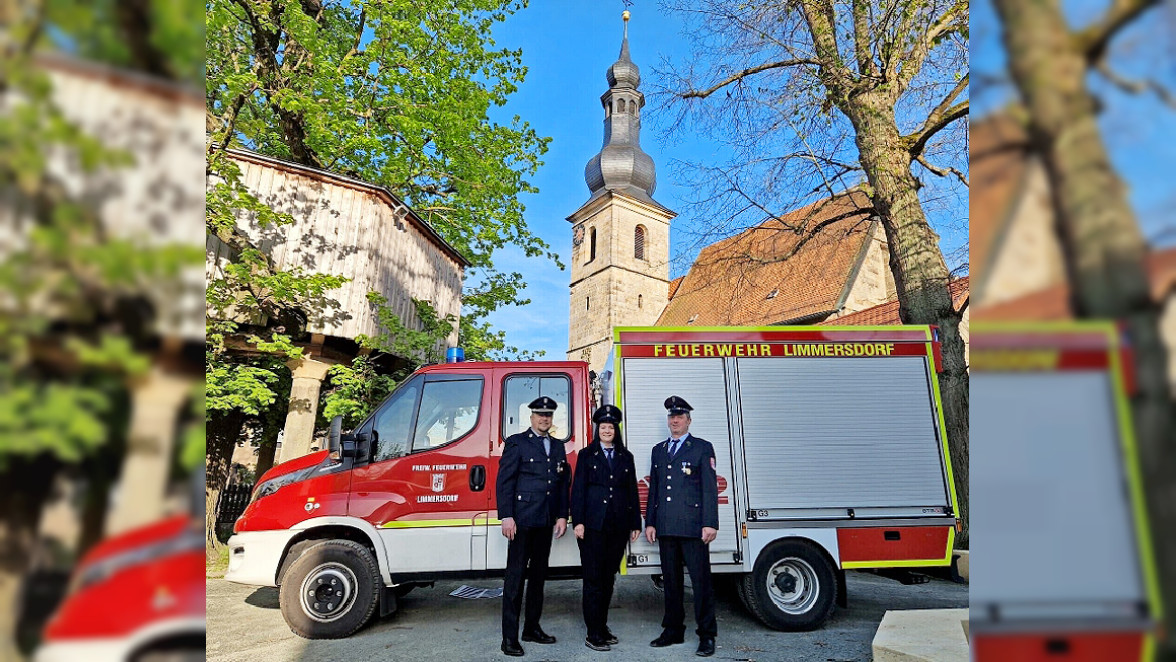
column 328, row 592
column 793, row 585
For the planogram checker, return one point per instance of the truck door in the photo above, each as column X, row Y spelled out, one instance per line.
column 423, row 485
column 518, row 390
column 646, row 383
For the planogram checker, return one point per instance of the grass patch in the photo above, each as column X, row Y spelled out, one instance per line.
column 216, row 561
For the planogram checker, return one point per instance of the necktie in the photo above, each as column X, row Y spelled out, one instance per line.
column 674, row 447
column 608, row 454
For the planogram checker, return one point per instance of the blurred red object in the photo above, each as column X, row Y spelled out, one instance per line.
column 137, row 593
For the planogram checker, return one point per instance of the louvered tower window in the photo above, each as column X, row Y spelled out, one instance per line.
column 639, row 242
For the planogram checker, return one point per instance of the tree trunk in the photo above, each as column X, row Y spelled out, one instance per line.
column 1102, row 245
column 920, row 273
column 24, row 486
column 265, row 456
column 223, row 432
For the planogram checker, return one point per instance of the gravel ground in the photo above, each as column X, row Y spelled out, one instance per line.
column 245, row 625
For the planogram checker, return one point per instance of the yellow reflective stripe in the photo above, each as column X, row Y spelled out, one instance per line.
column 1135, row 480
column 426, row 523
column 927, row 563
column 1149, row 647
column 955, row 504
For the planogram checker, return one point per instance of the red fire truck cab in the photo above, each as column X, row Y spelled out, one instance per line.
column 830, row 450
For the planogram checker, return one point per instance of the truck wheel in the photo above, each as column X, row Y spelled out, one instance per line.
column 793, row 587
column 331, row 590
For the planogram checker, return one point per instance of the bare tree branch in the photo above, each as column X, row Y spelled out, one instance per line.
column 702, row 94
column 912, row 61
column 861, row 38
column 942, row 172
column 1136, row 86
column 834, row 74
column 939, row 117
column 1093, row 39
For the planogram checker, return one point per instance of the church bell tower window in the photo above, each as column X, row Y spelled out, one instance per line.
column 639, row 242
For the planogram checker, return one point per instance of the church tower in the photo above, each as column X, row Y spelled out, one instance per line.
column 621, row 235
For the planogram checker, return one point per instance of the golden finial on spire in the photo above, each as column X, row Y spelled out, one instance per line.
column 625, row 18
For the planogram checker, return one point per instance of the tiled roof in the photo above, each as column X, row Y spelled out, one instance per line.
column 674, row 284
column 998, row 168
column 779, row 271
column 887, row 313
column 1053, row 303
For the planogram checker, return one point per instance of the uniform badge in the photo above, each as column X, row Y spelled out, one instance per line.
column 686, row 468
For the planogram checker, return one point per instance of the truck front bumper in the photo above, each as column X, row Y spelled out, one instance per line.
column 254, row 556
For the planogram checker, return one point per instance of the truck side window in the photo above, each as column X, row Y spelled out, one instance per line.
column 392, row 424
column 449, row 410
column 520, row 390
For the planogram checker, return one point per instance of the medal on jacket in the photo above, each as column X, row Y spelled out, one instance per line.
column 686, row 468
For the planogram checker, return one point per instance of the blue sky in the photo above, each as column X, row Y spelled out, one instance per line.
column 567, row 46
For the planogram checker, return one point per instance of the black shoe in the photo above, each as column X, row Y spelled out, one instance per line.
column 538, row 636
column 512, row 648
column 610, row 638
column 597, row 644
column 706, row 647
column 667, row 639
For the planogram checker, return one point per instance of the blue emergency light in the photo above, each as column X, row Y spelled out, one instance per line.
column 454, row 355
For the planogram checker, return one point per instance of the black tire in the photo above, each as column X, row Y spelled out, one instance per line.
column 329, row 570
column 793, row 587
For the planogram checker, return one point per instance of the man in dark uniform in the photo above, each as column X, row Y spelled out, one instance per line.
column 682, row 516
column 532, row 491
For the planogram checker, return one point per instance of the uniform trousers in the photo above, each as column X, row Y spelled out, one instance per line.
column 676, row 550
column 600, row 556
column 526, row 559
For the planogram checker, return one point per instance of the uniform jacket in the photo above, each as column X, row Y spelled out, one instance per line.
column 683, row 492
column 597, row 489
column 532, row 487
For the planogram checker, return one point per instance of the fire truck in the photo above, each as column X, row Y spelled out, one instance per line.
column 1065, row 571
column 830, row 446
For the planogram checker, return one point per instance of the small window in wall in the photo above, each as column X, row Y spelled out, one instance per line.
column 587, row 303
column 520, row 390
column 639, row 302
column 621, row 106
column 449, row 410
column 592, row 244
column 608, row 109
column 639, row 242
column 773, row 293
column 692, row 318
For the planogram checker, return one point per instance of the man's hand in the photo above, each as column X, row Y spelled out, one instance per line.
column 651, row 534
column 561, row 526
column 579, row 531
column 508, row 528
column 634, row 534
column 709, row 534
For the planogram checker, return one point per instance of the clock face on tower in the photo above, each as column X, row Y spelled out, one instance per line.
column 577, row 235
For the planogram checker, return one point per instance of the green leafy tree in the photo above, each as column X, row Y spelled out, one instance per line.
column 396, row 93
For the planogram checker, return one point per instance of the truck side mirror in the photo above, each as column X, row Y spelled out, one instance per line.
column 348, row 446
column 334, row 434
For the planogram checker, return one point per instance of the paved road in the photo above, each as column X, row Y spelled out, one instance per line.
column 244, row 625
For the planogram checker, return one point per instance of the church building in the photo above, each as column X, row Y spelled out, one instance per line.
column 813, row 265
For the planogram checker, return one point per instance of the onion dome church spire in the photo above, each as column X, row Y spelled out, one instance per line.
column 621, row 166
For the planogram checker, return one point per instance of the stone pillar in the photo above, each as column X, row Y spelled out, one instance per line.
column 156, row 401
column 308, row 373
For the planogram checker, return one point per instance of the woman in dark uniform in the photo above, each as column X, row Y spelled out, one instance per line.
column 606, row 515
